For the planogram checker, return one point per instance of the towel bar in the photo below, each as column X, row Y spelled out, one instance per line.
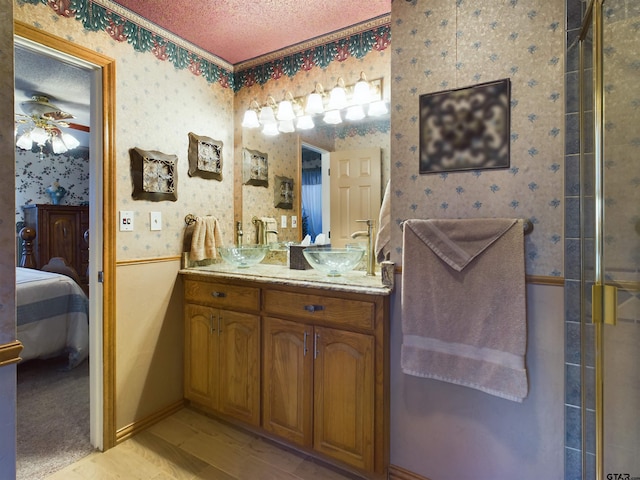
column 527, row 226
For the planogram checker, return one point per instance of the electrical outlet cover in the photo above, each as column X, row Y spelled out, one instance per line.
column 126, row 221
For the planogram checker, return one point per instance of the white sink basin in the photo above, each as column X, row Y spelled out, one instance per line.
column 243, row 256
column 333, row 261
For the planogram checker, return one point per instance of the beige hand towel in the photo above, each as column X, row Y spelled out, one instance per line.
column 383, row 238
column 205, row 239
column 463, row 304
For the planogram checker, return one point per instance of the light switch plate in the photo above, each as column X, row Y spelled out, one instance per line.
column 126, row 221
column 283, row 221
column 294, row 221
column 155, row 219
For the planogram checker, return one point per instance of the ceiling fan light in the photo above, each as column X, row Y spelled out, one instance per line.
column 69, row 141
column 250, row 119
column 39, row 135
column 25, row 142
column 57, row 145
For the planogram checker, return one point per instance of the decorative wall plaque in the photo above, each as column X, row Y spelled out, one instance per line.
column 466, row 128
column 205, row 157
column 283, row 192
column 255, row 168
column 154, row 175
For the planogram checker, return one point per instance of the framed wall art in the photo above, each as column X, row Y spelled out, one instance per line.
column 255, row 168
column 466, row 128
column 154, row 175
column 205, row 157
column 283, row 192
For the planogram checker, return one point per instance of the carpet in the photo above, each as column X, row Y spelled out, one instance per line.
column 52, row 417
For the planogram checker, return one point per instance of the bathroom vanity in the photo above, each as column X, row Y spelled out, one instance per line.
column 297, row 356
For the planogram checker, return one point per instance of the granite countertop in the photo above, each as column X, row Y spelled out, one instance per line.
column 354, row 281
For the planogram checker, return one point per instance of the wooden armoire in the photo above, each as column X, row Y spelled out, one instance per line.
column 60, row 232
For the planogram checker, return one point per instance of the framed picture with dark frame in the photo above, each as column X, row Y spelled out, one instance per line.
column 466, row 128
column 205, row 157
column 154, row 175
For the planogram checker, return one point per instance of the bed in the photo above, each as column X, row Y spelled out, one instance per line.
column 52, row 316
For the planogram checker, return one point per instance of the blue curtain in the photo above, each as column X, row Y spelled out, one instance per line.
column 312, row 202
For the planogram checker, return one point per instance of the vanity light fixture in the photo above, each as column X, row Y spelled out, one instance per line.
column 353, row 102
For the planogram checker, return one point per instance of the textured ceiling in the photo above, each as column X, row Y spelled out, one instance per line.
column 239, row 30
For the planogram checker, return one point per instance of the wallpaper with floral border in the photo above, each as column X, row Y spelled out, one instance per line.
column 445, row 44
column 157, row 105
column 35, row 172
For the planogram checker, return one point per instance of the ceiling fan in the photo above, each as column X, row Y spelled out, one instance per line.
column 46, row 121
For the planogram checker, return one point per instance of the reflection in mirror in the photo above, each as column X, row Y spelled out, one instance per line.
column 286, row 152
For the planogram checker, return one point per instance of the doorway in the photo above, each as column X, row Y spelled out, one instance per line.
column 101, row 221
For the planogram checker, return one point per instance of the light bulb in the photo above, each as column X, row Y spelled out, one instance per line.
column 305, row 122
column 25, row 141
column 57, row 145
column 267, row 116
column 250, row 119
column 361, row 91
column 70, row 141
column 285, row 111
column 270, row 129
column 286, row 126
column 337, row 98
column 39, row 135
column 332, row 117
column 314, row 104
column 355, row 112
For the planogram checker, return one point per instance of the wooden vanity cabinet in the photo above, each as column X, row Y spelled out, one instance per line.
column 310, row 366
column 325, row 374
column 222, row 349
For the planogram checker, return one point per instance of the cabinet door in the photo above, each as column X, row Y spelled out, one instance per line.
column 64, row 240
column 288, row 380
column 200, row 359
column 344, row 396
column 239, row 361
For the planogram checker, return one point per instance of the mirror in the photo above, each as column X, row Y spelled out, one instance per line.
column 285, row 155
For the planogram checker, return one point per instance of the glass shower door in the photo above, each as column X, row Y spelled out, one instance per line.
column 621, row 235
column 610, row 233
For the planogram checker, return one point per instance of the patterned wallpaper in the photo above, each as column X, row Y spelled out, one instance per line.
column 445, row 44
column 157, row 106
column 34, row 173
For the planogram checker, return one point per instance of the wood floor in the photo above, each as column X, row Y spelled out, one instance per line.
column 189, row 445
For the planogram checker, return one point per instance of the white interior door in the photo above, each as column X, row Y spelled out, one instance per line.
column 355, row 192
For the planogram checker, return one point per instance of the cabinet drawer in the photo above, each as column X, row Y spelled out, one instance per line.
column 339, row 311
column 222, row 295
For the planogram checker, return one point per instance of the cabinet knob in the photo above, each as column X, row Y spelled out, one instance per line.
column 314, row 308
column 218, row 294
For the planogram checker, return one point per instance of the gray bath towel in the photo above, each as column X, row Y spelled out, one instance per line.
column 463, row 304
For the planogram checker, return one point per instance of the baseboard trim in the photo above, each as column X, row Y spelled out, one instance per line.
column 10, row 353
column 136, row 427
column 397, row 473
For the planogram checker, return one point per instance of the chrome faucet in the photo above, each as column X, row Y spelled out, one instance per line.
column 239, row 233
column 371, row 265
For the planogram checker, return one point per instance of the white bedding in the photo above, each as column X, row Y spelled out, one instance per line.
column 53, row 316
